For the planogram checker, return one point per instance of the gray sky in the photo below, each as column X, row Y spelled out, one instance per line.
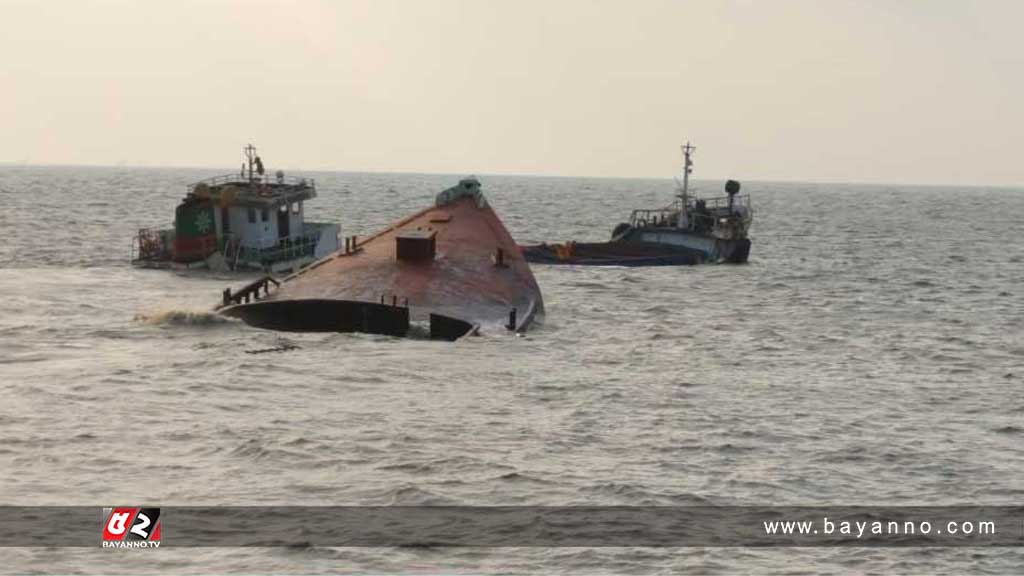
column 866, row 91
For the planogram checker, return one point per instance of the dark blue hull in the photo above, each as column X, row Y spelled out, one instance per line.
column 626, row 252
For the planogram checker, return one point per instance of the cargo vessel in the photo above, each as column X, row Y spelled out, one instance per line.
column 447, row 271
column 692, row 230
column 245, row 221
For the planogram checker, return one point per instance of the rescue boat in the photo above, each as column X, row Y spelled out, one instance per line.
column 244, row 221
column 690, row 231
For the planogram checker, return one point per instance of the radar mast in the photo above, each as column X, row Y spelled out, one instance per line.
column 682, row 221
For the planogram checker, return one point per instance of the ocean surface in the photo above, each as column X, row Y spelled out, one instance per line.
column 871, row 352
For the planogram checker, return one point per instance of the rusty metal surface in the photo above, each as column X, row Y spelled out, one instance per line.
column 466, row 280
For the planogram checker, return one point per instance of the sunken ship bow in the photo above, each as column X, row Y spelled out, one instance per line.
column 452, row 268
column 692, row 230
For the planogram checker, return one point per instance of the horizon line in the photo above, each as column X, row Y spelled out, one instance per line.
column 525, row 175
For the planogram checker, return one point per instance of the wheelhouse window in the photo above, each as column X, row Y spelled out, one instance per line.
column 252, row 215
column 264, row 215
column 296, row 208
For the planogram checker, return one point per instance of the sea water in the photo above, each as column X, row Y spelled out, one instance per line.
column 871, row 352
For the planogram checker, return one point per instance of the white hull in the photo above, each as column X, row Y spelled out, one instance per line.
column 326, row 244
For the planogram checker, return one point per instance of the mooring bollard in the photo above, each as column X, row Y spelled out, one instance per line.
column 512, row 319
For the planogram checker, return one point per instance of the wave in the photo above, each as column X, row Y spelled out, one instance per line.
column 182, row 318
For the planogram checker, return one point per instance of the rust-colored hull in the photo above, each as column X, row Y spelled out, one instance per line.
column 472, row 276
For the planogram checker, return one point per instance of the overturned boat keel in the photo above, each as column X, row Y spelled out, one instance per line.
column 453, row 269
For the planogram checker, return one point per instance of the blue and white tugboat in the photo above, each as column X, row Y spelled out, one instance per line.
column 244, row 221
column 692, row 230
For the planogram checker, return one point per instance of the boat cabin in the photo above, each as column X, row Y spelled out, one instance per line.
column 725, row 218
column 257, row 214
column 250, row 219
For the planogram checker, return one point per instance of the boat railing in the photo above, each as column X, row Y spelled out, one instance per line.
column 250, row 291
column 286, row 249
column 666, row 216
column 652, row 216
column 722, row 202
column 152, row 244
column 266, row 179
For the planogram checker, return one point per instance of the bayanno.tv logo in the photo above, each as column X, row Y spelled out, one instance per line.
column 131, row 527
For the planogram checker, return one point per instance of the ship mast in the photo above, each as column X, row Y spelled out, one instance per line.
column 682, row 220
column 250, row 156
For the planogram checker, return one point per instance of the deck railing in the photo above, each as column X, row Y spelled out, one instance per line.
column 647, row 216
column 250, row 291
column 266, row 179
column 152, row 244
column 288, row 249
column 723, row 201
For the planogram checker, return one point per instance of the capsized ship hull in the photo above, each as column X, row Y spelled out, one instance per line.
column 453, row 265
